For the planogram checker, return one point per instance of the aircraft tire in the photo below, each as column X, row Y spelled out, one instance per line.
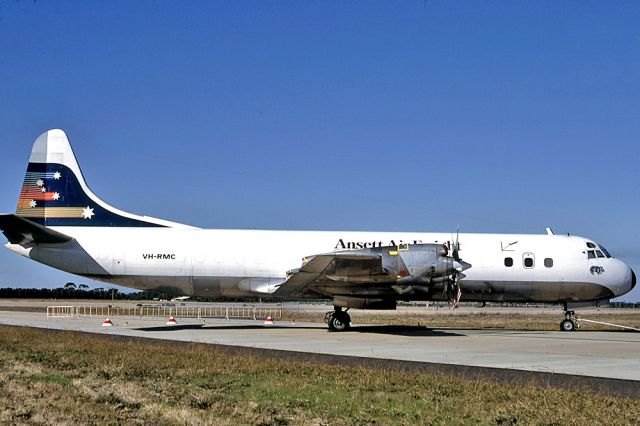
column 567, row 325
column 339, row 321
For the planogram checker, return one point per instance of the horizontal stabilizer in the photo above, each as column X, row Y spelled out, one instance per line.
column 19, row 230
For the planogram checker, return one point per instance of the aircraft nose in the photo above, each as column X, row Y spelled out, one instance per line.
column 629, row 281
column 622, row 278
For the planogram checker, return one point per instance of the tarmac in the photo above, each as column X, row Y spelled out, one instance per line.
column 611, row 355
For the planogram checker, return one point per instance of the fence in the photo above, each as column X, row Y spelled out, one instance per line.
column 227, row 312
column 61, row 311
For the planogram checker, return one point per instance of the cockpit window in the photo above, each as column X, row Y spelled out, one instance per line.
column 597, row 251
column 606, row 253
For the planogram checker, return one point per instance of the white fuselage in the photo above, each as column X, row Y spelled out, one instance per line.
column 200, row 262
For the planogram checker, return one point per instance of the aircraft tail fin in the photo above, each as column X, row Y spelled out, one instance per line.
column 55, row 193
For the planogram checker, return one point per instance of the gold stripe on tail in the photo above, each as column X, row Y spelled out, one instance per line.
column 50, row 212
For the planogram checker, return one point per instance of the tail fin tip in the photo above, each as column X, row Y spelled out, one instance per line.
column 53, row 147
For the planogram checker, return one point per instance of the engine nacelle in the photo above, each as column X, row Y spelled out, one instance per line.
column 421, row 261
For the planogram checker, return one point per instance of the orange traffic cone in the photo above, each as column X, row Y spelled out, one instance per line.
column 171, row 321
column 107, row 323
column 268, row 321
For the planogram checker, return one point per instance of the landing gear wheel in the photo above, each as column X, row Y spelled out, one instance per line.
column 337, row 324
column 568, row 325
column 570, row 322
column 338, row 320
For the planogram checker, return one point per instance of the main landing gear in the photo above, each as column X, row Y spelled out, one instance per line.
column 337, row 320
column 570, row 322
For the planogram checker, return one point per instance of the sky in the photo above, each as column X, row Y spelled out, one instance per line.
column 494, row 116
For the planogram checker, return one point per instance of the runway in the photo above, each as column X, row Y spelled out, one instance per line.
column 613, row 355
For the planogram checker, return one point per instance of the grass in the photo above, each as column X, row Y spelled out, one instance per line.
column 53, row 378
column 75, row 378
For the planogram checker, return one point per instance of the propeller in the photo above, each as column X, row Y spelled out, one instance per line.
column 451, row 288
column 456, row 246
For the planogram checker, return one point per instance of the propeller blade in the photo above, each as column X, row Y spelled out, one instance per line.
column 455, row 253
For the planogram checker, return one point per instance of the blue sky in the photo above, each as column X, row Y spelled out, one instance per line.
column 504, row 116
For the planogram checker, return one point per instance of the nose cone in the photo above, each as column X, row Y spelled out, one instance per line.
column 619, row 278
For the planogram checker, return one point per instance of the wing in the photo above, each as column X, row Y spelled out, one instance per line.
column 333, row 267
column 19, row 230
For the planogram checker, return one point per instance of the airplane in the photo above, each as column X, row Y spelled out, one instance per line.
column 61, row 223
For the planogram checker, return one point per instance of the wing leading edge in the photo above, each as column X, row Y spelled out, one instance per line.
column 332, row 266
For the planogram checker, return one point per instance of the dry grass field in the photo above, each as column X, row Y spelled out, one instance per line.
column 58, row 377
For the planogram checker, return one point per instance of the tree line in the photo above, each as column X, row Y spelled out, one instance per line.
column 80, row 291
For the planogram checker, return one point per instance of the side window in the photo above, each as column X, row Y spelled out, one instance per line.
column 599, row 253
column 591, row 254
column 528, row 260
column 508, row 262
column 548, row 262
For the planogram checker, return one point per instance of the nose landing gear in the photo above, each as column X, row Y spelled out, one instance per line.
column 337, row 320
column 570, row 322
